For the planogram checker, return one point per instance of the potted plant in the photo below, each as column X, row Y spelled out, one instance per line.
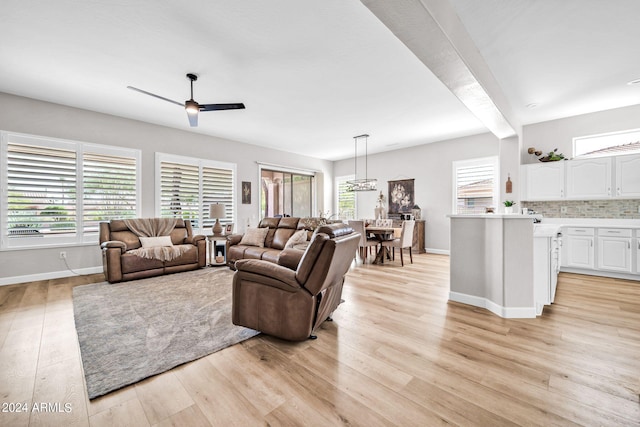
column 508, row 206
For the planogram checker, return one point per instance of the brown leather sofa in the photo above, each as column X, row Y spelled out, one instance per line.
column 280, row 230
column 292, row 304
column 117, row 242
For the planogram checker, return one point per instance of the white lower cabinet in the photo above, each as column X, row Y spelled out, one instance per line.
column 614, row 250
column 578, row 245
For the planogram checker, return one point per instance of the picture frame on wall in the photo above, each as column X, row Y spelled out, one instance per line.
column 401, row 196
column 246, row 192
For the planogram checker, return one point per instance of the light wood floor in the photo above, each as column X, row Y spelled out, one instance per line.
column 397, row 353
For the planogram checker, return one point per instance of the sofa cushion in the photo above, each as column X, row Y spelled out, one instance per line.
column 133, row 263
column 188, row 257
column 254, row 237
column 299, row 236
column 280, row 237
column 254, row 252
column 271, row 255
column 152, row 242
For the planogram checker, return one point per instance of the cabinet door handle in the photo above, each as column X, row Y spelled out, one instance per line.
column 618, row 191
column 608, row 191
column 591, row 243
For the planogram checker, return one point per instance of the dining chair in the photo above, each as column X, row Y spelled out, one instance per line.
column 404, row 241
column 380, row 222
column 366, row 243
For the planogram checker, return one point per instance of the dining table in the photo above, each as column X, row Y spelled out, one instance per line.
column 382, row 234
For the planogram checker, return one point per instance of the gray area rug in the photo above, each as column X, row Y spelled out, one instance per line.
column 133, row 330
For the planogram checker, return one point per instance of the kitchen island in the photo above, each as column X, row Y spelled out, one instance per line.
column 492, row 263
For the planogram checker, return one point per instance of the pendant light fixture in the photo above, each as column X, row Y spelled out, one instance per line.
column 363, row 184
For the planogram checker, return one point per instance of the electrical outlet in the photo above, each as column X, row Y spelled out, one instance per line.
column 563, row 209
column 63, row 255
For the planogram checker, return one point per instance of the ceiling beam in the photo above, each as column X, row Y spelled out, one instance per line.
column 432, row 30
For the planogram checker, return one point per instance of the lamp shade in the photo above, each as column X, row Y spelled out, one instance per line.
column 216, row 210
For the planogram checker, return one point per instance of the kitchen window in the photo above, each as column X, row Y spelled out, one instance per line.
column 607, row 144
column 475, row 185
column 55, row 192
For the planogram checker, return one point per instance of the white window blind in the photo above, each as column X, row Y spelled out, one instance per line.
column 41, row 190
column 346, row 199
column 187, row 187
column 109, row 184
column 475, row 185
column 56, row 192
column 217, row 187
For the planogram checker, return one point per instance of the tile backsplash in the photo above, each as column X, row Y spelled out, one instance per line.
column 619, row 208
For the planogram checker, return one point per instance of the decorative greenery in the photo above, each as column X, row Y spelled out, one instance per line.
column 509, row 203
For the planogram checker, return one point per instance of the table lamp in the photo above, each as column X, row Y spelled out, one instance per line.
column 217, row 211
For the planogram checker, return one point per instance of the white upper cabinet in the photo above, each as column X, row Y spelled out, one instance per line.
column 582, row 179
column 627, row 176
column 543, row 181
column 589, row 179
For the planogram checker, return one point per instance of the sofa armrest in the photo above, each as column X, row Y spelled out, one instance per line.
column 234, row 239
column 267, row 273
column 114, row 244
column 193, row 240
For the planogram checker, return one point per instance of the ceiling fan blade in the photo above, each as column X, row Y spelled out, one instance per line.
column 217, row 107
column 193, row 119
column 156, row 96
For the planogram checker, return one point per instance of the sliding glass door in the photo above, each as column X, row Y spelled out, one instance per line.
column 286, row 194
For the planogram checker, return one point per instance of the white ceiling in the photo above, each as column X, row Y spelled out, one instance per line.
column 313, row 74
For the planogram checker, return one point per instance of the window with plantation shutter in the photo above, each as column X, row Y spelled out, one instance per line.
column 475, row 185
column 109, row 188
column 188, row 186
column 41, row 190
column 56, row 192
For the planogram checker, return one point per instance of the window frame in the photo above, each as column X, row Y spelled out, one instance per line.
column 79, row 237
column 494, row 161
column 203, row 212
column 287, row 170
column 576, row 140
column 343, row 180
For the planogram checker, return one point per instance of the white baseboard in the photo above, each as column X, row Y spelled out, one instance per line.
column 506, row 312
column 437, row 251
column 48, row 276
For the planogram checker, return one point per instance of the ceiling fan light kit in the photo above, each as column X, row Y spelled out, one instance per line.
column 191, row 106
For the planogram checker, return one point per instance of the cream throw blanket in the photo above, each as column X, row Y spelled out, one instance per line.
column 153, row 227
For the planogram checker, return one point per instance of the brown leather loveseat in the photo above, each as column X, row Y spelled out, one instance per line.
column 292, row 304
column 121, row 252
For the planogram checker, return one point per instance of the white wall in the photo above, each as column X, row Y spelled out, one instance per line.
column 559, row 133
column 24, row 115
column 431, row 167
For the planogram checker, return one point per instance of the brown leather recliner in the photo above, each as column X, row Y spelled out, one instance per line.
column 116, row 242
column 291, row 304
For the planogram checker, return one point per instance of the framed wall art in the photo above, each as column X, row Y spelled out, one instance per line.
column 401, row 196
column 246, row 192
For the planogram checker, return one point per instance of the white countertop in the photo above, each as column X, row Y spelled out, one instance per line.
column 496, row 216
column 593, row 222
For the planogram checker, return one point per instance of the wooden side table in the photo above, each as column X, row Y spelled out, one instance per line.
column 212, row 247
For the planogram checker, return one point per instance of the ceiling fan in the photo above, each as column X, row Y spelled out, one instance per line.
column 191, row 106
